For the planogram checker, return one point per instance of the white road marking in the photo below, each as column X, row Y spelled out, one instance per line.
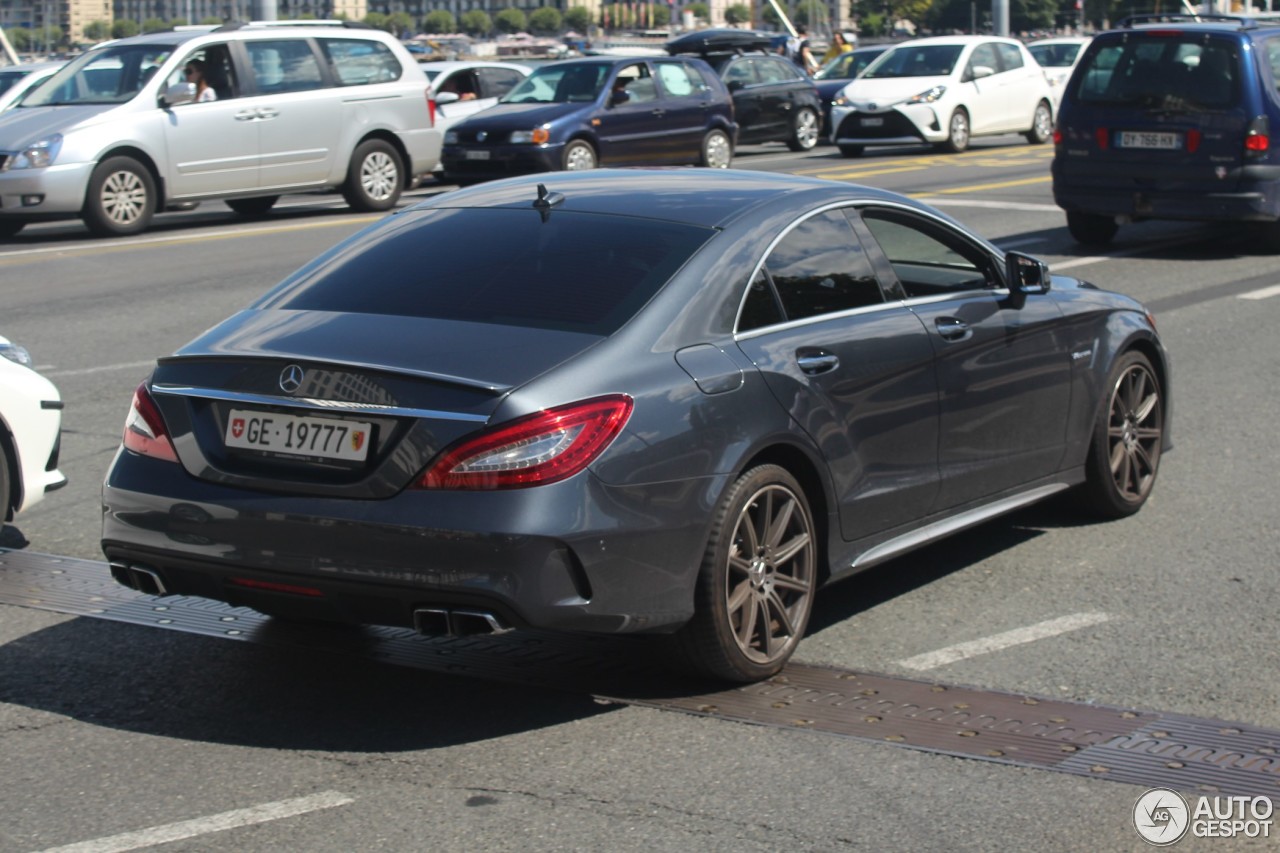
column 1026, row 241
column 997, row 642
column 995, row 205
column 1264, row 293
column 1122, row 253
column 102, row 368
column 206, row 825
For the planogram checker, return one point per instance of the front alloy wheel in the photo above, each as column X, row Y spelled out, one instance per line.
column 1125, row 454
column 756, row 586
column 957, row 132
column 121, row 198
column 579, row 155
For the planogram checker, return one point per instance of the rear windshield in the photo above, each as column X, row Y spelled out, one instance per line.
column 574, row 272
column 1160, row 72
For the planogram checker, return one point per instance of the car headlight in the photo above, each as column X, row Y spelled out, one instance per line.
column 840, row 101
column 15, row 353
column 38, row 155
column 537, row 136
column 928, row 97
column 450, row 138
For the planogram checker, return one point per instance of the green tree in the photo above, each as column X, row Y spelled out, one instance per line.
column 699, row 10
column 441, row 21
column 20, row 38
column 737, row 14
column 97, row 30
column 509, row 20
column 211, row 21
column 770, row 16
column 154, row 25
column 578, row 18
column 400, row 24
column 1032, row 15
column 377, row 20
column 476, row 22
column 124, row 28
column 545, row 21
column 178, row 22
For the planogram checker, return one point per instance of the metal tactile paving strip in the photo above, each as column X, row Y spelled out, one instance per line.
column 1142, row 748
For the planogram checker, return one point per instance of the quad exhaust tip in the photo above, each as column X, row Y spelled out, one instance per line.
column 137, row 577
column 439, row 622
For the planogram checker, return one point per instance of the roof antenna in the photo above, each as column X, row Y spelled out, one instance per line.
column 546, row 200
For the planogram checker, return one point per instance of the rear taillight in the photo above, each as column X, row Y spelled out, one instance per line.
column 1057, row 136
column 144, row 429
column 1193, row 141
column 1103, row 137
column 431, row 107
column 1257, row 136
column 532, row 451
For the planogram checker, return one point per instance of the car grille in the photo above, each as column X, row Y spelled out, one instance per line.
column 471, row 137
column 895, row 125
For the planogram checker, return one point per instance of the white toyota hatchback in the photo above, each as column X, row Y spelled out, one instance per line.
column 944, row 91
column 30, row 429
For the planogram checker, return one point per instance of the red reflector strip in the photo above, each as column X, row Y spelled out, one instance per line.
column 311, row 592
column 1103, row 137
column 1057, row 137
column 1193, row 140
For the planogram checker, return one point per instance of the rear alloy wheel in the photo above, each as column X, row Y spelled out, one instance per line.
column 1041, row 124
column 756, row 584
column 957, row 132
column 258, row 206
column 805, row 128
column 579, row 155
column 851, row 150
column 121, row 199
column 717, row 150
column 1125, row 452
column 375, row 177
column 1091, row 229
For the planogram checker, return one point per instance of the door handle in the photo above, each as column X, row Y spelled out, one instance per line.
column 659, row 113
column 268, row 112
column 952, row 328
column 246, row 115
column 815, row 361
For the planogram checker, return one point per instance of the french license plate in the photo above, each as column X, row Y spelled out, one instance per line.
column 477, row 155
column 321, row 438
column 1143, row 139
column 875, row 121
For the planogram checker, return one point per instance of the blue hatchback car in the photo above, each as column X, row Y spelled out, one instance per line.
column 584, row 113
column 1171, row 118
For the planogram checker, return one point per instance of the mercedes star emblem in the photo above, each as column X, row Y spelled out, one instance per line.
column 291, row 378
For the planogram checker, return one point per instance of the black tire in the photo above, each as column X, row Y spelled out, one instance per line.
column 7, row 480
column 957, row 132
column 578, row 155
column 806, row 127
column 258, row 206
column 716, row 151
column 11, row 227
column 746, row 573
column 121, row 198
column 851, row 150
column 1041, row 124
column 375, row 177
column 1124, row 455
column 1091, row 229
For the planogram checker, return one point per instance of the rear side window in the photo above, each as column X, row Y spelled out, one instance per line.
column 574, row 272
column 676, row 81
column 1160, row 73
column 357, row 62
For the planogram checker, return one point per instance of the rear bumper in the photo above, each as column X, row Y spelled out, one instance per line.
column 1255, row 198
column 610, row 564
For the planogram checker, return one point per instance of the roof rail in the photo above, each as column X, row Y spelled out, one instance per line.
column 1184, row 18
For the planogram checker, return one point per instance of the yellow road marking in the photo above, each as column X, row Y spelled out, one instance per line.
column 973, row 188
column 982, row 158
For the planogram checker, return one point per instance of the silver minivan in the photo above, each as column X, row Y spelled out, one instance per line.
column 119, row 133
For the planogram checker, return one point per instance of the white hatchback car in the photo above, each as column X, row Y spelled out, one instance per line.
column 944, row 91
column 1058, row 58
column 30, row 432
column 462, row 89
column 119, row 133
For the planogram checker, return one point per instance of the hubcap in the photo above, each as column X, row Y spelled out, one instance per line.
column 807, row 129
column 124, row 197
column 1134, row 433
column 959, row 130
column 770, row 578
column 378, row 176
column 1044, row 126
column 580, row 157
column 717, row 153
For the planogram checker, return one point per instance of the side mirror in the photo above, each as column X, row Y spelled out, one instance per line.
column 735, row 85
column 447, row 98
column 178, row 93
column 1025, row 275
column 619, row 97
column 980, row 71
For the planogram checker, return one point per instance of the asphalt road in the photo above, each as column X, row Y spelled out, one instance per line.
column 108, row 729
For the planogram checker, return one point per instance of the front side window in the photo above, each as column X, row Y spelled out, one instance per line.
column 357, row 62
column 984, row 56
column 1010, row 56
column 636, row 82
column 927, row 258
column 820, row 268
column 213, row 63
column 285, row 65
column 496, row 82
column 1160, row 73
column 109, row 75
column 741, row 72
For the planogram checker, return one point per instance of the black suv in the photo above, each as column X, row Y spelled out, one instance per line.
column 773, row 100
column 1170, row 117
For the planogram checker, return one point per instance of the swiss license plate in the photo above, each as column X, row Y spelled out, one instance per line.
column 1146, row 139
column 478, row 155
column 874, row 121
column 320, row 438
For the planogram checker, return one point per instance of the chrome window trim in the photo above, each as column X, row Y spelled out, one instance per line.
column 981, row 243
column 313, row 404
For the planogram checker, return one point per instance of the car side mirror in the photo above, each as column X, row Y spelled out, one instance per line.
column 619, row 97
column 178, row 93
column 447, row 98
column 734, row 85
column 980, row 71
column 1025, row 275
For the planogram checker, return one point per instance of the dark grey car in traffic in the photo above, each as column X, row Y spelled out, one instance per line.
column 657, row 401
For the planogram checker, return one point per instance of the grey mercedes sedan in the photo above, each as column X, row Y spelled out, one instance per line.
column 627, row 401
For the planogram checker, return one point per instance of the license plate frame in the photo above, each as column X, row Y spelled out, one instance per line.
column 872, row 121
column 304, row 437
column 1149, row 140
column 476, row 154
